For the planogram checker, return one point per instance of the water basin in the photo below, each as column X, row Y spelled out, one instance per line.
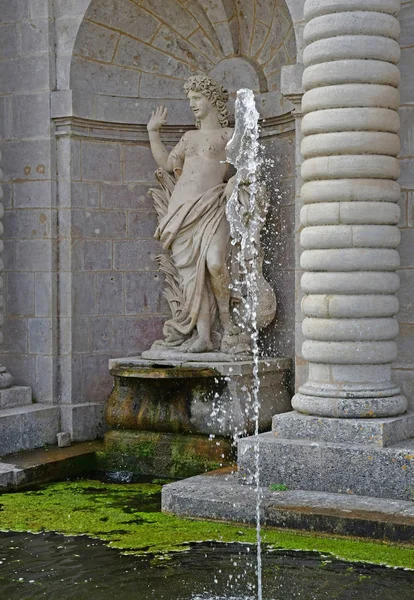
column 64, row 568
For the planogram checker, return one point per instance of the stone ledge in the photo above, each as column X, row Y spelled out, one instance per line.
column 220, row 496
column 207, row 398
column 16, row 395
column 359, row 469
column 379, row 432
column 47, row 464
column 27, row 427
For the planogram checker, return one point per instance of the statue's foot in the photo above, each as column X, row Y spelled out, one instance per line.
column 230, row 338
column 201, row 345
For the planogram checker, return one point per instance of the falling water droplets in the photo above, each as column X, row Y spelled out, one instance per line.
column 245, row 225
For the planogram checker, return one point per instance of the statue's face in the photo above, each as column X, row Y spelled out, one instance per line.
column 200, row 105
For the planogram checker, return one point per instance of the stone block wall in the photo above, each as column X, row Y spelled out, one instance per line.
column 110, row 291
column 81, row 283
column 278, row 339
column 27, row 74
column 404, row 367
column 110, row 288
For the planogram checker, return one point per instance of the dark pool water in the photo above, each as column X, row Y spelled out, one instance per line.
column 61, row 568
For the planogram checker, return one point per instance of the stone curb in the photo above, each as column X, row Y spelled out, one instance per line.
column 219, row 496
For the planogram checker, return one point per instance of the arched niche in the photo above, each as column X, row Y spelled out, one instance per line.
column 129, row 56
column 129, row 52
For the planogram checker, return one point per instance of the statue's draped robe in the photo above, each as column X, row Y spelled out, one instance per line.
column 186, row 231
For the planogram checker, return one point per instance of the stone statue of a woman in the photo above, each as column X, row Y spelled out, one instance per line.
column 192, row 221
column 193, row 229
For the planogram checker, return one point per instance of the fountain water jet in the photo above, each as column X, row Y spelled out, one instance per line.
column 246, row 223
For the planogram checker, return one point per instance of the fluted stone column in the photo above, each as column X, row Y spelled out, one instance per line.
column 5, row 377
column 350, row 194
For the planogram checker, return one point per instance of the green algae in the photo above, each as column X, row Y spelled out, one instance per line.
column 128, row 517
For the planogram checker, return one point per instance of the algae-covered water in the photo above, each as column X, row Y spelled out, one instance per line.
column 125, row 548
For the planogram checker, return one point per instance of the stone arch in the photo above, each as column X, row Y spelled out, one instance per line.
column 139, row 50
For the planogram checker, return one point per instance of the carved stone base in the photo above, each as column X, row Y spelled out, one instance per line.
column 133, row 455
column 195, row 397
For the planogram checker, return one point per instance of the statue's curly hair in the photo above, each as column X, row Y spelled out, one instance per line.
column 213, row 91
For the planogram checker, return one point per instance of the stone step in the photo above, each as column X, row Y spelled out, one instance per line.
column 27, row 427
column 220, row 496
column 380, row 432
column 343, row 468
column 16, row 395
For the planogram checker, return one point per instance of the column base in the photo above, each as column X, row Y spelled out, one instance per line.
column 350, row 408
column 365, row 458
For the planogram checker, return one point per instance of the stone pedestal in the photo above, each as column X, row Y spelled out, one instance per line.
column 175, row 419
column 369, row 457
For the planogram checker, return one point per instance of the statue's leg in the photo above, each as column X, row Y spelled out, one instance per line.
column 219, row 274
column 203, row 343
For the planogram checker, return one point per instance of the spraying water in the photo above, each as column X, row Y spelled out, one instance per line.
column 246, row 222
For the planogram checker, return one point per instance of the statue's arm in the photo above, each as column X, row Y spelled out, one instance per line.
column 159, row 151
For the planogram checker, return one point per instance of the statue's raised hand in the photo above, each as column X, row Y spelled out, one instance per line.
column 158, row 119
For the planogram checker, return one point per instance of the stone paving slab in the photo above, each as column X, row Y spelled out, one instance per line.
column 220, row 496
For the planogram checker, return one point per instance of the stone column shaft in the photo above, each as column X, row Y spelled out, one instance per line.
column 350, row 211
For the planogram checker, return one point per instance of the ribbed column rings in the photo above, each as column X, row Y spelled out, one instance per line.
column 350, row 209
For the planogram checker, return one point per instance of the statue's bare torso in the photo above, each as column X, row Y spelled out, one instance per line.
column 204, row 156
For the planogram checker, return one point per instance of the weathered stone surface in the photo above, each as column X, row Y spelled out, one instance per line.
column 64, row 439
column 97, row 42
column 83, row 421
column 95, row 224
column 97, row 255
column 379, row 432
column 20, row 294
column 110, row 294
column 101, row 162
column 15, row 396
column 132, row 196
column 220, row 496
column 40, row 336
column 9, row 475
column 16, row 74
column 198, row 397
column 107, row 78
column 136, row 255
column 170, row 455
column 360, row 469
column 143, row 293
column 84, row 301
column 33, row 194
column 34, row 36
column 28, row 427
column 47, row 464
